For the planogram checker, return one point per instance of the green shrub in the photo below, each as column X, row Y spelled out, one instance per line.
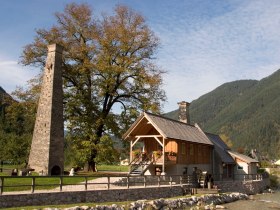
column 274, row 182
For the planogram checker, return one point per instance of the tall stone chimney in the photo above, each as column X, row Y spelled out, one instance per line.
column 184, row 115
column 46, row 154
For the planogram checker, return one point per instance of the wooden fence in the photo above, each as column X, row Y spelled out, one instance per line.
column 60, row 183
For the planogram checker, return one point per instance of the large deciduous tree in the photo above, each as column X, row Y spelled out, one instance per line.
column 108, row 70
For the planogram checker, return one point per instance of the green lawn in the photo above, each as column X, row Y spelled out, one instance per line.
column 117, row 168
column 7, row 169
column 44, row 183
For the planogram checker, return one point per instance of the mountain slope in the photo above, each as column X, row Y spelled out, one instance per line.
column 5, row 100
column 246, row 111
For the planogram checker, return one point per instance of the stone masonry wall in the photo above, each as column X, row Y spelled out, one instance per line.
column 248, row 187
column 115, row 195
column 48, row 140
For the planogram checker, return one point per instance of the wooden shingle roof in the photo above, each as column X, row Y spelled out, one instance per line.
column 172, row 129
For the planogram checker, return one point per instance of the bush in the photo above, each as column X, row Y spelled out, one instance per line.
column 274, row 182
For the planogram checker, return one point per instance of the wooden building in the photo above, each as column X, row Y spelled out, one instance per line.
column 223, row 163
column 159, row 145
column 244, row 165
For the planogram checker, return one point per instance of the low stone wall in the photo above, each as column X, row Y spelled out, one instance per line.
column 201, row 202
column 247, row 187
column 113, row 195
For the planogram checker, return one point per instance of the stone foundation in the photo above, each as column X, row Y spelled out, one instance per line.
column 248, row 187
column 115, row 195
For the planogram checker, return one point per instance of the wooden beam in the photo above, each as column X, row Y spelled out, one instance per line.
column 159, row 141
column 137, row 139
column 148, row 136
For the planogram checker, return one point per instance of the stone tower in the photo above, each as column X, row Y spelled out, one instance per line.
column 184, row 115
column 46, row 154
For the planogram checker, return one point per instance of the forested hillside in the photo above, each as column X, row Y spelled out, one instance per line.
column 247, row 112
column 5, row 100
column 16, row 126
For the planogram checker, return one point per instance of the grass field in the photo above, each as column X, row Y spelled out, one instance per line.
column 12, row 184
column 112, row 168
column 117, row 168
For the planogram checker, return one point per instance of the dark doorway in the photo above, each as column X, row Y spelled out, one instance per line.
column 56, row 170
column 227, row 171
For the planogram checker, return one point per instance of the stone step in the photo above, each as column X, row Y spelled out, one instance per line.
column 206, row 191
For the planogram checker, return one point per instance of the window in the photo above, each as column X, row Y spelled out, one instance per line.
column 239, row 167
column 183, row 149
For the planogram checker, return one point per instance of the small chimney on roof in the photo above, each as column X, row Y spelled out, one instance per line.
column 184, row 115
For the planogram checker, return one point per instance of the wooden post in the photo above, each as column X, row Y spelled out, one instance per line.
column 181, row 180
column 127, row 182
column 170, row 181
column 2, row 185
column 60, row 183
column 33, row 185
column 159, row 181
column 108, row 182
column 130, row 157
column 130, row 151
column 145, row 180
column 163, row 151
column 86, row 182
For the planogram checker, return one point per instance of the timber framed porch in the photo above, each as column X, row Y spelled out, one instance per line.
column 150, row 154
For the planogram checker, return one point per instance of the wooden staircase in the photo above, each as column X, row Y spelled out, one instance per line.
column 140, row 165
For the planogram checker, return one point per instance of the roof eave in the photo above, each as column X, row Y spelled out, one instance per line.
column 138, row 120
column 155, row 125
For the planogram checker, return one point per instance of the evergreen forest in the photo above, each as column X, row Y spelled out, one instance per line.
column 245, row 113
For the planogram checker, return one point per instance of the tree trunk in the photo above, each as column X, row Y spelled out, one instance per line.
column 91, row 161
column 92, row 166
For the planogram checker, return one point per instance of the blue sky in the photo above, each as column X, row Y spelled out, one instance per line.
column 204, row 43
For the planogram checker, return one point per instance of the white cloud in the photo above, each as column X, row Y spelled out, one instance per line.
column 205, row 43
column 240, row 44
column 12, row 74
